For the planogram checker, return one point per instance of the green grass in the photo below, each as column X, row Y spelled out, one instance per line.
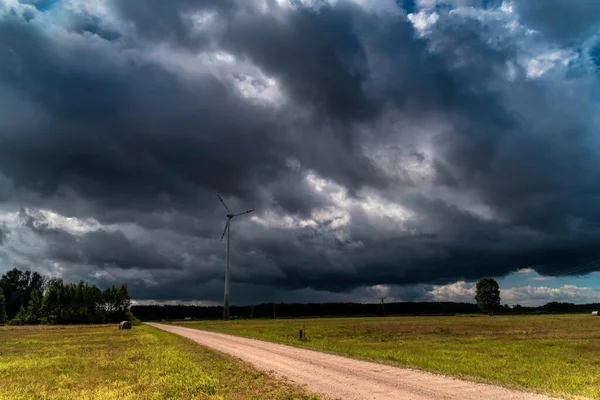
column 553, row 354
column 101, row 362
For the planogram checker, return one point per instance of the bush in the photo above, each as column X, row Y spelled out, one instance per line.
column 15, row 322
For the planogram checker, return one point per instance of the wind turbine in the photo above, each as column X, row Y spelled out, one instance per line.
column 228, row 230
column 381, row 306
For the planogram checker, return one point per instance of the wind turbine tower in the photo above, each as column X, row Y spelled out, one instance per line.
column 227, row 231
column 381, row 306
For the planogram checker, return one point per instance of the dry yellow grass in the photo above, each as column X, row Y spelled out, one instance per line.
column 103, row 363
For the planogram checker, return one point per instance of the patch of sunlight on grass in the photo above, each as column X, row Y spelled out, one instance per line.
column 103, row 363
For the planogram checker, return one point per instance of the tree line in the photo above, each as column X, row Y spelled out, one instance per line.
column 30, row 298
column 292, row 310
column 487, row 297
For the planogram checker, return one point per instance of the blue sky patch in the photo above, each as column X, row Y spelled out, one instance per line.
column 41, row 5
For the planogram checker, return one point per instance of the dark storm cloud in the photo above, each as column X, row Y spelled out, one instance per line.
column 162, row 21
column 183, row 133
column 93, row 25
column 565, row 21
column 595, row 54
column 100, row 248
column 460, row 246
column 131, row 128
column 4, row 233
column 533, row 171
column 318, row 56
column 107, row 249
column 86, row 141
column 319, row 59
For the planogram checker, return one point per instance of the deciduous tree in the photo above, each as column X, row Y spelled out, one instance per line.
column 35, row 307
column 487, row 295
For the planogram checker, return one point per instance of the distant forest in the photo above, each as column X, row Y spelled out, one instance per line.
column 287, row 310
column 30, row 298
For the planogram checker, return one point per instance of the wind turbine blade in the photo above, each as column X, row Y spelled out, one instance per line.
column 222, row 202
column 245, row 212
column 225, row 230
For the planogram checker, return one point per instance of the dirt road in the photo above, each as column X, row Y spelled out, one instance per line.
column 344, row 378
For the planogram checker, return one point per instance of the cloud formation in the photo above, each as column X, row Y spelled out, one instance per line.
column 561, row 20
column 527, row 295
column 381, row 143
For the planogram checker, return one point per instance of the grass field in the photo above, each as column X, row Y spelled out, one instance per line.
column 553, row 354
column 103, row 363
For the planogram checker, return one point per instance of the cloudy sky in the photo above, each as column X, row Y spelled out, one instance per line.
column 405, row 147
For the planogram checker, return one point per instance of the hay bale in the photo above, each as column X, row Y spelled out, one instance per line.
column 125, row 325
column 595, row 313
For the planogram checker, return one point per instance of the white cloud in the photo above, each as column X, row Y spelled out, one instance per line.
column 539, row 295
column 380, row 7
column 423, row 20
column 460, row 291
column 337, row 216
column 70, row 224
column 11, row 219
column 203, row 21
column 428, row 3
column 541, row 64
column 240, row 74
column 260, row 88
column 524, row 295
column 271, row 219
column 526, row 271
column 411, row 154
column 380, row 290
column 98, row 8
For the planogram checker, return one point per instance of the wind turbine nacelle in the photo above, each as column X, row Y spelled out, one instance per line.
column 230, row 216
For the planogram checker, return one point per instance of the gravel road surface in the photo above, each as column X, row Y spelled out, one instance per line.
column 344, row 378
